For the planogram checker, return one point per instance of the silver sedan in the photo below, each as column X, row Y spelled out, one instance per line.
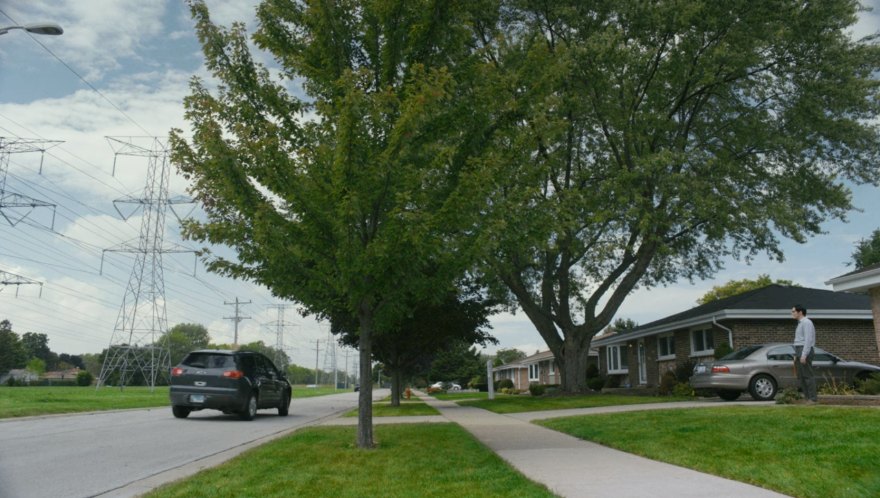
column 764, row 369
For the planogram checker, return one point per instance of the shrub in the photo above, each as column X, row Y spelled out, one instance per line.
column 505, row 384
column 612, row 381
column 683, row 371
column 722, row 350
column 592, row 371
column 84, row 378
column 833, row 387
column 596, row 383
column 508, row 390
column 536, row 389
column 667, row 383
column 683, row 389
column 871, row 385
column 787, row 396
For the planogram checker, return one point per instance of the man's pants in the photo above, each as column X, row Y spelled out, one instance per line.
column 805, row 373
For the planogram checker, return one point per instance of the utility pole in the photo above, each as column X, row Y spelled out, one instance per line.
column 237, row 318
column 317, row 353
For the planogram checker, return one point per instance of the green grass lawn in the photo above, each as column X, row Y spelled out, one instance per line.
column 455, row 396
column 29, row 401
column 407, row 408
column 804, row 451
column 525, row 403
column 411, row 460
column 301, row 391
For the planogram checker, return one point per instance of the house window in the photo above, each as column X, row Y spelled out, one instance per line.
column 534, row 372
column 702, row 342
column 666, row 347
column 617, row 359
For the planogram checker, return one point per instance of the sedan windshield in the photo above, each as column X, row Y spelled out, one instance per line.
column 741, row 354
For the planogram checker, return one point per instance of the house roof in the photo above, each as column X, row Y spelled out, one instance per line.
column 525, row 362
column 857, row 281
column 773, row 302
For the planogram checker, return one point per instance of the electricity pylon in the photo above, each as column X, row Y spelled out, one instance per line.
column 280, row 325
column 11, row 203
column 137, row 343
column 7, row 278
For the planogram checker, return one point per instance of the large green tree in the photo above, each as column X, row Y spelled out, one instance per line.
column 12, row 354
column 36, row 345
column 337, row 199
column 411, row 348
column 867, row 251
column 735, row 287
column 183, row 338
column 658, row 139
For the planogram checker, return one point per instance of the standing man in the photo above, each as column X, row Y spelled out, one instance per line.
column 804, row 341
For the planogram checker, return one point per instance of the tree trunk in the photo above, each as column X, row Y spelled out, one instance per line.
column 365, row 395
column 395, row 387
column 573, row 366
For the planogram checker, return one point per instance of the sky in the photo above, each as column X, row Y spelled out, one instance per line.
column 122, row 69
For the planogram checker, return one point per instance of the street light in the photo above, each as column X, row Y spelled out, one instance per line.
column 42, row 28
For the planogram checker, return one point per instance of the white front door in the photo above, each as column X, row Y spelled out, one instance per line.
column 643, row 364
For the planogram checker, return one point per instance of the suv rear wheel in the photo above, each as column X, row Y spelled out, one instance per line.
column 250, row 408
column 180, row 411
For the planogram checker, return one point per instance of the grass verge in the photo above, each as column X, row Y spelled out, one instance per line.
column 804, row 451
column 407, row 408
column 431, row 460
column 29, row 401
column 525, row 403
column 42, row 400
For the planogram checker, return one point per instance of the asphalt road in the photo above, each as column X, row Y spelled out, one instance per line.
column 125, row 453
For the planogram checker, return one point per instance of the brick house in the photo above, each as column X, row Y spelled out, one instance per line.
column 641, row 356
column 539, row 368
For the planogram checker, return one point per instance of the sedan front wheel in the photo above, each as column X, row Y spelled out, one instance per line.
column 762, row 387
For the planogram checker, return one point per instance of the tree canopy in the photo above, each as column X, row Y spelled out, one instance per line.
column 658, row 139
column 735, row 287
column 335, row 194
column 183, row 338
column 867, row 251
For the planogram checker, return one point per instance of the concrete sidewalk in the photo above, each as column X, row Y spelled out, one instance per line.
column 572, row 467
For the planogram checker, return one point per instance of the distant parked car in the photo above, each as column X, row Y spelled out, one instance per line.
column 446, row 386
column 764, row 369
column 238, row 382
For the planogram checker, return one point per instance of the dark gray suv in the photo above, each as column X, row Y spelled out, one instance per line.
column 238, row 382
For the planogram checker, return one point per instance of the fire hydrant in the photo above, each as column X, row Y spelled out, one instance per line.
column 407, row 393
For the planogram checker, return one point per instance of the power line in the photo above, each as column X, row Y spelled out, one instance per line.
column 65, row 64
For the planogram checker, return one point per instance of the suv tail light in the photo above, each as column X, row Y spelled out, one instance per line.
column 721, row 369
column 176, row 372
column 233, row 374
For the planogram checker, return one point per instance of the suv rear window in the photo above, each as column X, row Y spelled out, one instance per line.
column 208, row 360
